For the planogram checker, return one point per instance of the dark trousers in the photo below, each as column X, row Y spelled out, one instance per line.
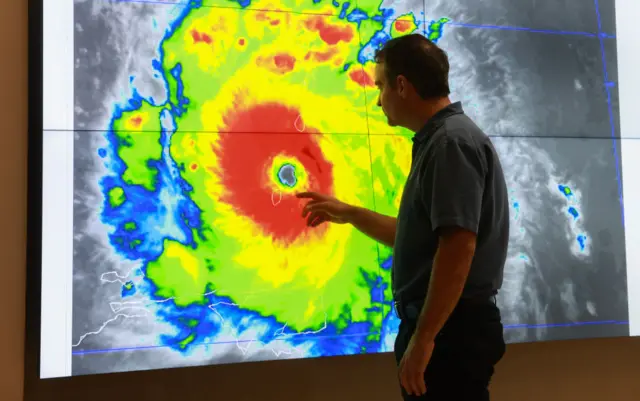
column 465, row 352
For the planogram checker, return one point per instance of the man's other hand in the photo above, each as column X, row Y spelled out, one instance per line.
column 323, row 208
column 413, row 365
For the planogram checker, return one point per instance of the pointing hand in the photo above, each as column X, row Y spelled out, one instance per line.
column 323, row 208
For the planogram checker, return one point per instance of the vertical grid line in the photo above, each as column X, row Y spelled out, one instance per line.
column 607, row 89
column 373, row 191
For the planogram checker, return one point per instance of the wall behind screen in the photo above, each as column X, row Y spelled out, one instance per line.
column 576, row 370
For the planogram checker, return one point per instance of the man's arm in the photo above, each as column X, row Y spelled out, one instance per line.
column 374, row 225
column 456, row 175
column 448, row 277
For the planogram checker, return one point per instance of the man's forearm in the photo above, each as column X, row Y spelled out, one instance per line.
column 375, row 225
column 448, row 277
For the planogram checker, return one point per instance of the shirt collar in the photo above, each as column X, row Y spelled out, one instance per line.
column 436, row 120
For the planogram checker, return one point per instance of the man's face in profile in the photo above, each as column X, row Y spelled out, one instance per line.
column 387, row 97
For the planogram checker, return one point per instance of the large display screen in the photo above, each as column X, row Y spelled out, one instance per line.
column 176, row 133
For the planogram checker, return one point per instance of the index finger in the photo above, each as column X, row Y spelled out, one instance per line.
column 404, row 382
column 309, row 195
column 420, row 385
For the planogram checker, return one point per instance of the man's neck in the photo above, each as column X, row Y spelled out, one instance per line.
column 425, row 110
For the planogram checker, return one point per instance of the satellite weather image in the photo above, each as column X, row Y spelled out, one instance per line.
column 196, row 122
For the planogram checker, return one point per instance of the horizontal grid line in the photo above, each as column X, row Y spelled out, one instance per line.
column 315, row 337
column 205, row 132
column 506, row 327
column 407, row 135
column 521, row 29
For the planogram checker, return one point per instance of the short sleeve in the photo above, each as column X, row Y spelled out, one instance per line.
column 455, row 180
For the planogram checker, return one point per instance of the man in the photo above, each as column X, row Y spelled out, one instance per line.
column 451, row 234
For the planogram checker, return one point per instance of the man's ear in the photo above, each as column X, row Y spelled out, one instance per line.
column 401, row 85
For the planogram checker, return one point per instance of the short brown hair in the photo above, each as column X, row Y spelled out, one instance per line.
column 418, row 59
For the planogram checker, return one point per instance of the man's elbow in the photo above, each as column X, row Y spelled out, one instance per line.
column 457, row 241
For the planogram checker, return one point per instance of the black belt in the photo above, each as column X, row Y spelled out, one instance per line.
column 410, row 310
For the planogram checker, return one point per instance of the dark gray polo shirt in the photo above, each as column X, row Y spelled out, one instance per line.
column 456, row 179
